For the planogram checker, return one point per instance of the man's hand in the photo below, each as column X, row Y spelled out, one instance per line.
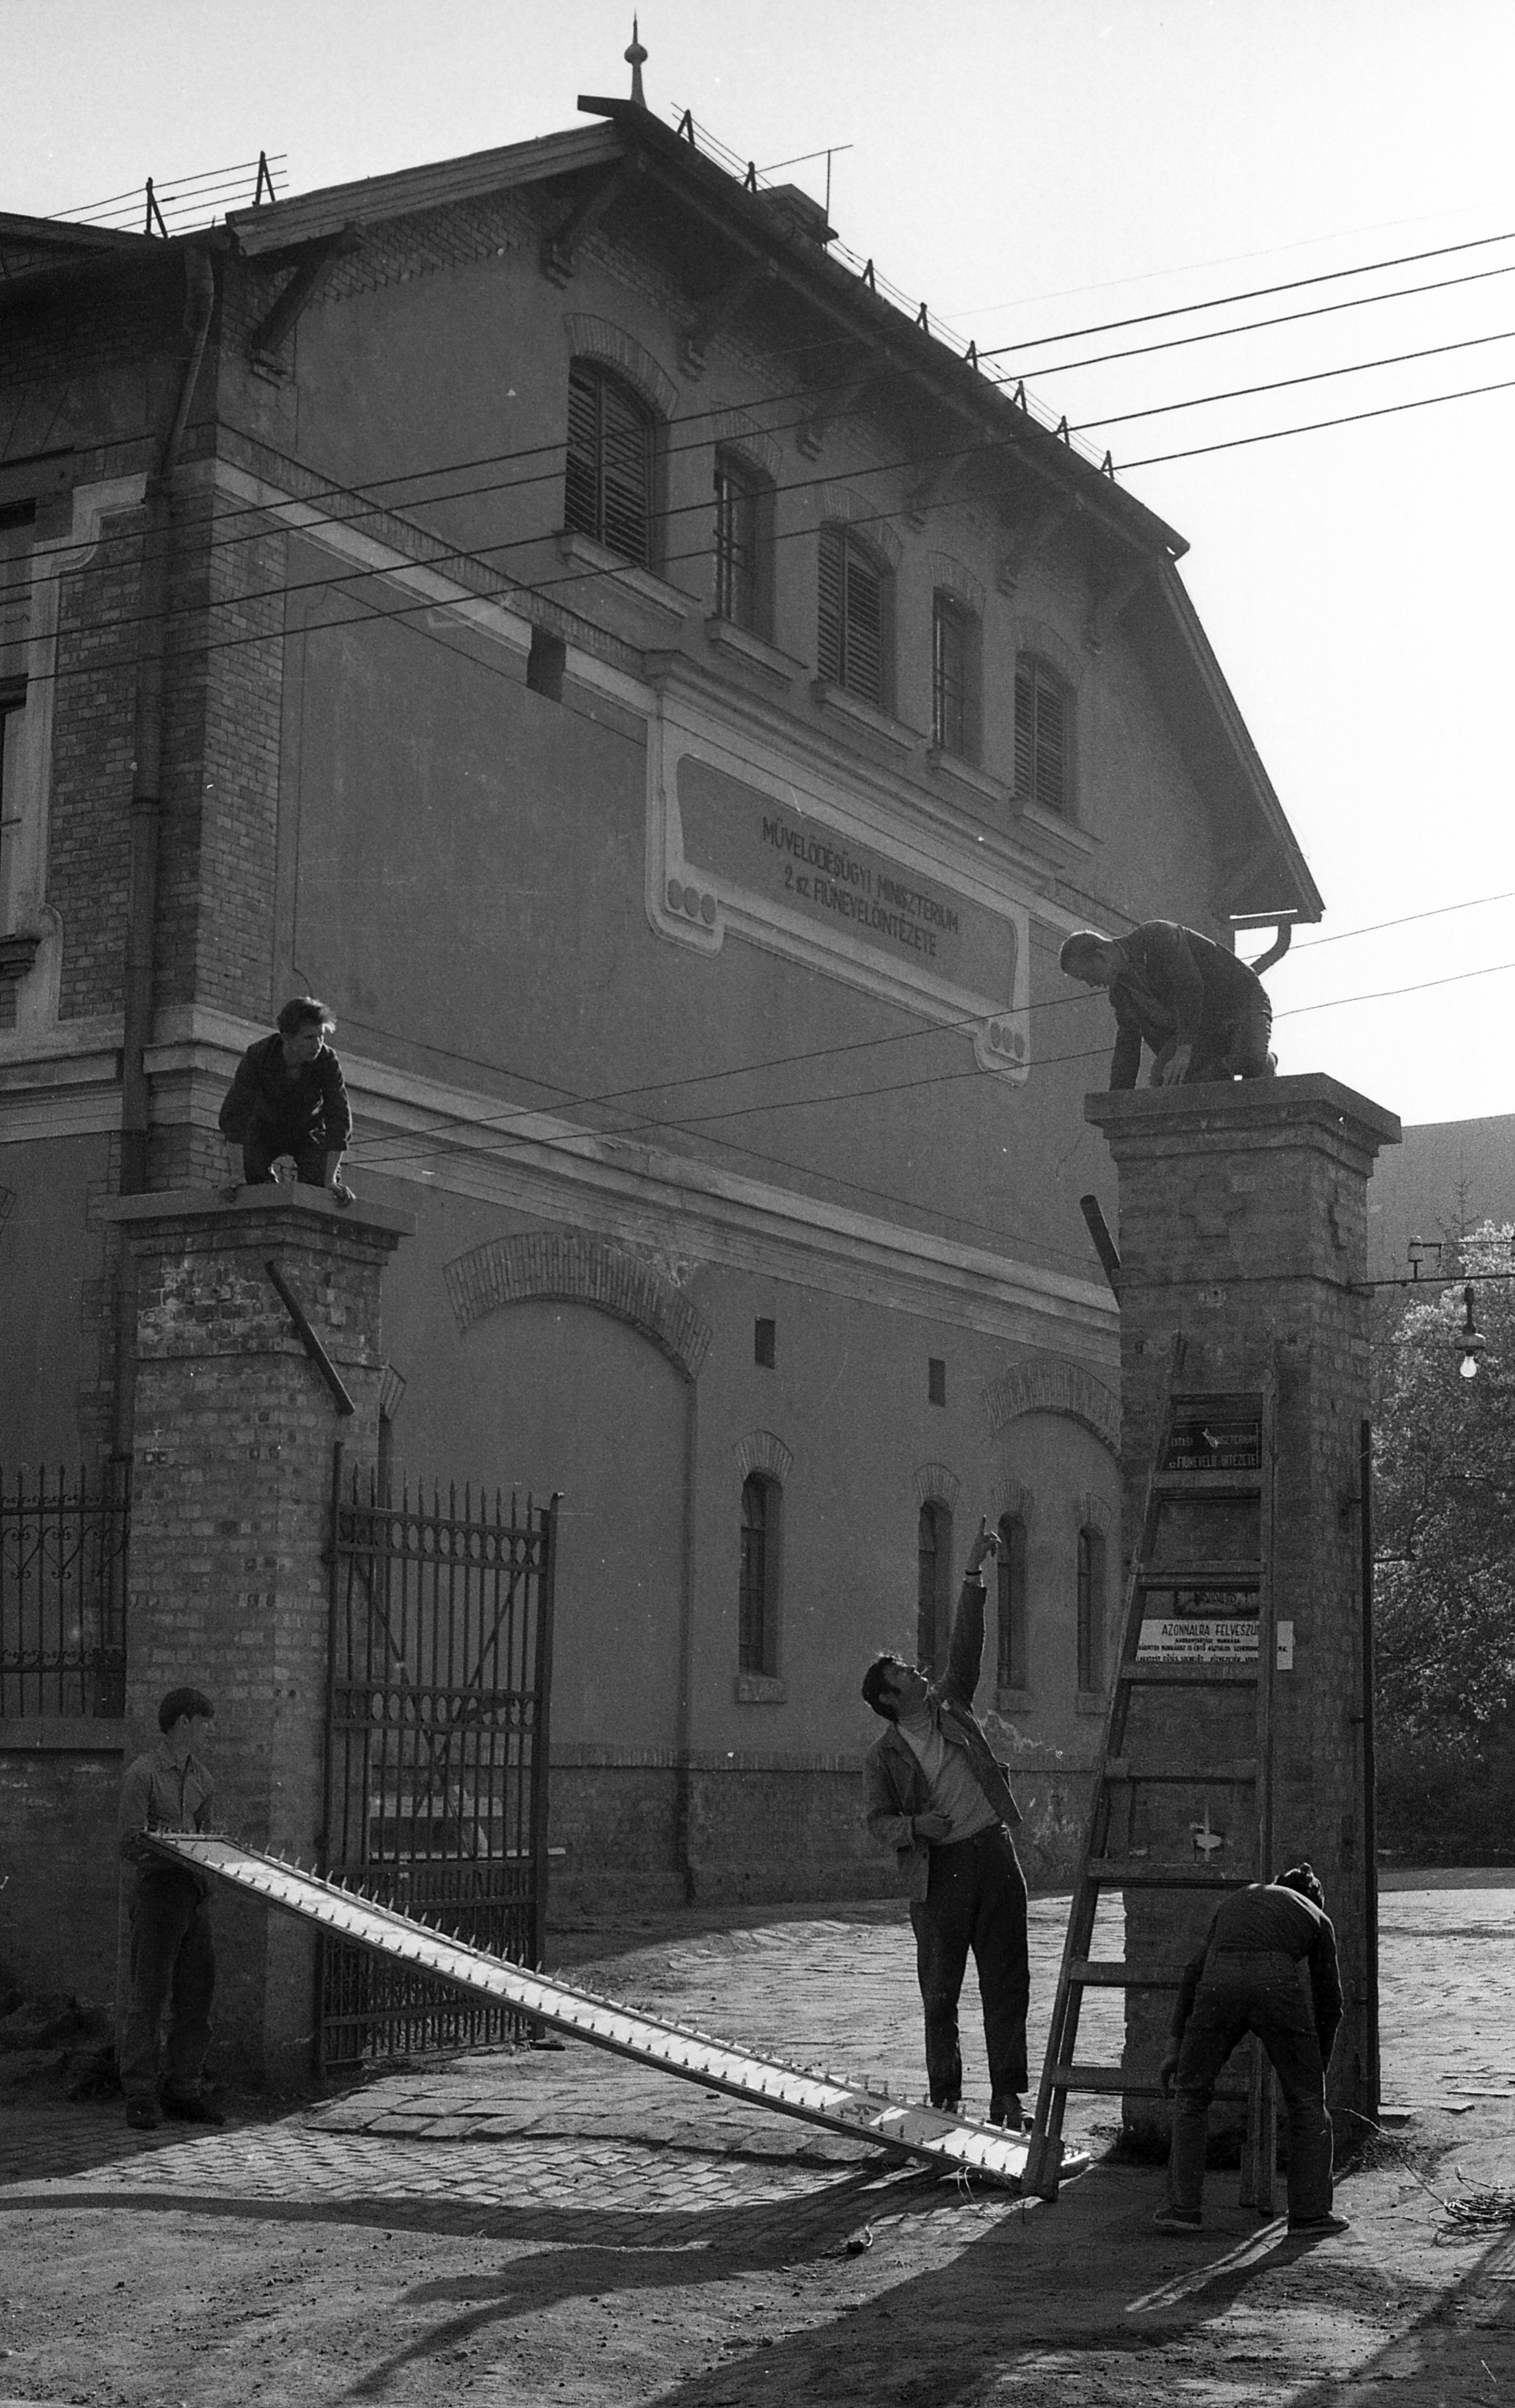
column 1168, row 2072
column 929, row 1827
column 1175, row 1068
column 985, row 1544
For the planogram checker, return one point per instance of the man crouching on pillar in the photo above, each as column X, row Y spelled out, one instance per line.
column 938, row 1797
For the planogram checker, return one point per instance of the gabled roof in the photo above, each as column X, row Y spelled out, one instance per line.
column 285, row 225
column 31, row 247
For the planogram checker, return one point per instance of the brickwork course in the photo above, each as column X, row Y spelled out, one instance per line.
column 1242, row 1230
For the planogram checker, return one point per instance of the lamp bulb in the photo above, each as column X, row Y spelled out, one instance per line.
column 1469, row 1367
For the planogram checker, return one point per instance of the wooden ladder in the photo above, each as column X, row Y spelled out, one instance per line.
column 1206, row 1546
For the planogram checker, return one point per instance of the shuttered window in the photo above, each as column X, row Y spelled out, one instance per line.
column 954, row 633
column 1043, row 770
column 852, row 636
column 1013, row 1671
column 608, row 484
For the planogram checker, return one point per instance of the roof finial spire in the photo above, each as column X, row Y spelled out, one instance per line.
column 635, row 59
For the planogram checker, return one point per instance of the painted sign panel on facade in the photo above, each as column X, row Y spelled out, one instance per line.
column 789, row 872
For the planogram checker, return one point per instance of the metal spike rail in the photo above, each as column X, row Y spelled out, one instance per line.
column 836, row 2102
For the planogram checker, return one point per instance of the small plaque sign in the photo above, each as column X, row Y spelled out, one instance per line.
column 1193, row 1638
column 1210, row 1443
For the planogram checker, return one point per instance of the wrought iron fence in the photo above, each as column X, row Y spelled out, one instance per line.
column 441, row 1653
column 62, row 1591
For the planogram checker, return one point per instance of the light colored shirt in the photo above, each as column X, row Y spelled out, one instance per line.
column 158, row 1794
column 953, row 1784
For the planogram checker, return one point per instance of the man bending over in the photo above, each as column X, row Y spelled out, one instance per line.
column 1205, row 1014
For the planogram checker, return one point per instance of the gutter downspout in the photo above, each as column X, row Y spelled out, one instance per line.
column 146, row 816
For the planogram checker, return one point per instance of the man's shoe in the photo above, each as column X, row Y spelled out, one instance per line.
column 142, row 2115
column 1009, row 2112
column 192, row 2111
column 1173, row 2219
column 1332, row 2222
column 947, row 2106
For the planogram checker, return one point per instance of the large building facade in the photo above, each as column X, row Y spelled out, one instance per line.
column 672, row 708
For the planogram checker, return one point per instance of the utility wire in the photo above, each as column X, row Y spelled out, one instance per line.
column 1353, row 418
column 1279, row 384
column 1287, row 318
column 1256, row 292
column 489, row 560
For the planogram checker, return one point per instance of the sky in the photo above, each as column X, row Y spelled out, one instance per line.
column 1033, row 169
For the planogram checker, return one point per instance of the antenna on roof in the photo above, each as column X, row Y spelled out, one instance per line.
column 635, row 59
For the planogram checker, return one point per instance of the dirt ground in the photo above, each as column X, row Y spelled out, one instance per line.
column 559, row 2227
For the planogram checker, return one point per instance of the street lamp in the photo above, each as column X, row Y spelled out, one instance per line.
column 1469, row 1338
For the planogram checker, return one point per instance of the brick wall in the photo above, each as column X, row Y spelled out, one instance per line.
column 60, row 1777
column 1242, row 1228
column 232, row 1469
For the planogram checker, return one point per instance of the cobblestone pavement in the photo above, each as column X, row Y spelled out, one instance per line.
column 610, row 2183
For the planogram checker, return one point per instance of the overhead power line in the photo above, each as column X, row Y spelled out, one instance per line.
column 1353, row 418
column 1255, row 292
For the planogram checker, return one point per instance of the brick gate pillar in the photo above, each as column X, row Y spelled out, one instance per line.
column 1243, row 1221
column 230, row 1484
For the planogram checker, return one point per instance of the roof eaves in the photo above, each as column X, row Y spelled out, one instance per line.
column 284, row 225
column 1184, row 624
column 809, row 270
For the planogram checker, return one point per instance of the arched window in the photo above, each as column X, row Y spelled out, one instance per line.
column 954, row 677
column 1013, row 1670
column 1091, row 1609
column 1043, row 736
column 854, row 636
column 742, row 507
column 933, row 1573
column 757, row 1627
column 608, row 484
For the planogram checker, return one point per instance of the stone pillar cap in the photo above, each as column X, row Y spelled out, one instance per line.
column 1241, row 1107
column 298, row 1210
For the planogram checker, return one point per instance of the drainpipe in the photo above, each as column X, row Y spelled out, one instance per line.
column 147, row 810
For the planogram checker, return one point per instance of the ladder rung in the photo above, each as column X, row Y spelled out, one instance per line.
column 1219, row 1571
column 1120, row 1873
column 1110, row 1973
column 1110, row 2078
column 1159, row 1674
column 1241, row 1770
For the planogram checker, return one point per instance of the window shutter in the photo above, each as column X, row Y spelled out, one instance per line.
column 580, row 495
column 628, row 474
column 829, row 654
column 1025, row 724
column 752, row 1632
column 863, row 672
column 1049, row 748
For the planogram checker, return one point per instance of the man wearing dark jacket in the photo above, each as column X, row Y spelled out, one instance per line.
column 1246, row 1978
column 1205, row 1014
column 289, row 1098
column 938, row 1797
column 172, row 1966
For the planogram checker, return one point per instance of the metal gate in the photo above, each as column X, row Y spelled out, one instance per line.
column 436, row 1747
column 62, row 1591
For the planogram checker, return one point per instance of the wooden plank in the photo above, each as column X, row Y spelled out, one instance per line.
column 1228, row 1572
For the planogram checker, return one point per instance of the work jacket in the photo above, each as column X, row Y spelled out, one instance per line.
column 898, row 1789
column 312, row 1107
column 1176, row 984
column 1268, row 1921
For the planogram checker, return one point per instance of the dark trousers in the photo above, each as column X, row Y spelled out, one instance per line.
column 262, row 1146
column 173, row 1969
column 1258, row 1994
column 1238, row 1049
column 975, row 1899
